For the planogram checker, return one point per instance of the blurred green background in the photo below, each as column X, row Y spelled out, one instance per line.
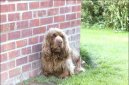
column 107, row 13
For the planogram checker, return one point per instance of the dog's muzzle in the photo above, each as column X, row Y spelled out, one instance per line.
column 58, row 44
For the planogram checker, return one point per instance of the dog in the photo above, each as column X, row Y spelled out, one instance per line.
column 57, row 57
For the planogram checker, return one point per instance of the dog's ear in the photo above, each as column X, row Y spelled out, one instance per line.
column 46, row 51
column 65, row 51
column 66, row 48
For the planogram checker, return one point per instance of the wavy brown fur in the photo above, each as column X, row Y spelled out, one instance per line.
column 62, row 62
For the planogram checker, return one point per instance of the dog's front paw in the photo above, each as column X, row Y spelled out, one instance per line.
column 64, row 74
column 46, row 74
column 82, row 69
column 83, row 62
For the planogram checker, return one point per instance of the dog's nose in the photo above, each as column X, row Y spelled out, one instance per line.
column 59, row 40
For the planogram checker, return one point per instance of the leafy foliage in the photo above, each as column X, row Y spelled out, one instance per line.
column 109, row 13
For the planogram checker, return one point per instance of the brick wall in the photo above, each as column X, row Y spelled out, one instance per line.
column 22, row 27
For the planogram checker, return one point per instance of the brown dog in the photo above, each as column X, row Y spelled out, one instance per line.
column 57, row 57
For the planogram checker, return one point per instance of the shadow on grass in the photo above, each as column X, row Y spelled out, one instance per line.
column 40, row 80
column 87, row 58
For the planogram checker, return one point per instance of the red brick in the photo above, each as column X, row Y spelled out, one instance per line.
column 76, row 8
column 33, row 57
column 70, row 16
column 14, row 35
column 77, row 37
column 72, row 31
column 34, row 5
column 53, row 26
column 22, row 24
column 41, row 13
column 11, row 64
column 34, row 22
column 3, row 37
column 78, row 15
column 3, row 57
column 7, row 8
column 3, row 0
column 33, row 40
column 8, row 65
column 22, row 6
column 41, row 38
column 8, row 46
column 21, row 61
column 39, row 30
column 46, row 3
column 14, row 72
column 12, row 26
column 71, row 2
column 14, row 54
column 7, row 27
column 59, row 3
column 35, row 72
column 59, row 18
column 45, row 21
column 4, row 8
column 64, row 10
column 53, row 11
column 75, row 23
column 21, row 43
column 26, row 68
column 35, row 14
column 4, row 67
column 26, row 50
column 36, row 64
column 26, row 33
column 11, row 7
column 78, row 30
column 78, row 22
column 4, row 76
column 68, row 32
column 14, row 17
column 4, row 27
column 65, row 25
column 78, row 1
column 3, row 18
column 27, row 15
column 36, row 48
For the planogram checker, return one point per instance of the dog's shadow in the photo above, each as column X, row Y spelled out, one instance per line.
column 89, row 63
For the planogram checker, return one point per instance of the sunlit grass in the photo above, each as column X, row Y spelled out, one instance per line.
column 109, row 49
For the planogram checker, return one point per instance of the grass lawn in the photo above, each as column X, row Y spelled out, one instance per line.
column 106, row 54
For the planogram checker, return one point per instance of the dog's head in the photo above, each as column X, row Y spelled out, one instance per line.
column 56, row 39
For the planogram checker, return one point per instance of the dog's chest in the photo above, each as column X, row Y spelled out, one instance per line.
column 57, row 64
column 54, row 64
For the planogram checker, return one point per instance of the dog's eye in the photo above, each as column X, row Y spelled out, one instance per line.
column 54, row 35
column 62, row 36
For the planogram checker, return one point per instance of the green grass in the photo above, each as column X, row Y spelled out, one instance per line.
column 106, row 54
column 109, row 50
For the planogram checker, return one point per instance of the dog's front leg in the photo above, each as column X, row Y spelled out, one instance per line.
column 70, row 66
column 64, row 74
column 79, row 67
